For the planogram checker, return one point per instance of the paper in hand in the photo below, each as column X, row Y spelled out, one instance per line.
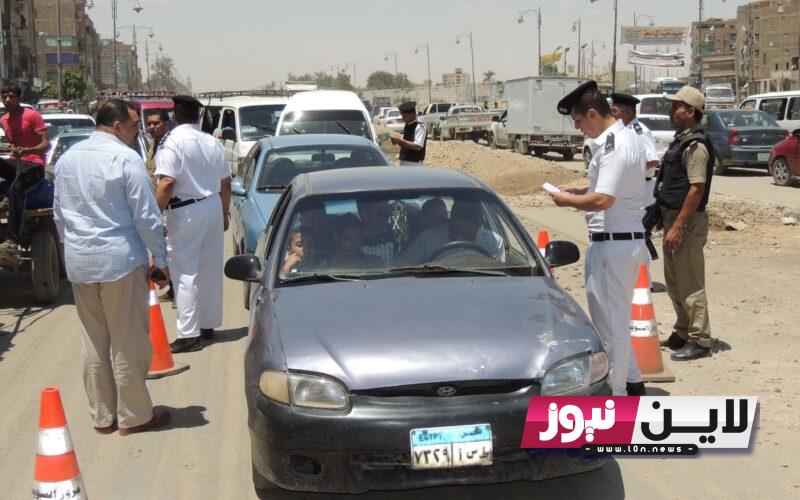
column 550, row 188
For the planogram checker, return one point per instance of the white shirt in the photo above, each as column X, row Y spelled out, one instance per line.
column 420, row 134
column 617, row 169
column 649, row 143
column 196, row 160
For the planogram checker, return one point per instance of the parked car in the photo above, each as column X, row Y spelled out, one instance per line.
column 659, row 125
column 350, row 356
column 239, row 121
column 432, row 114
column 62, row 122
column 393, row 120
column 784, row 160
column 741, row 138
column 784, row 107
column 65, row 140
column 326, row 112
column 381, row 112
column 271, row 165
column 466, row 122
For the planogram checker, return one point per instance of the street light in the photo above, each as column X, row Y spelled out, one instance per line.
column 114, row 4
column 521, row 18
column 428, row 54
column 472, row 54
column 576, row 26
column 386, row 58
column 134, row 29
column 583, row 48
column 635, row 67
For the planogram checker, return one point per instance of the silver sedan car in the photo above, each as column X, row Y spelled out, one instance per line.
column 394, row 304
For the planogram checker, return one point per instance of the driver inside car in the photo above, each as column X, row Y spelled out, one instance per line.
column 464, row 234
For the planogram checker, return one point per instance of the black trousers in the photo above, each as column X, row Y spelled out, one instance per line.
column 22, row 175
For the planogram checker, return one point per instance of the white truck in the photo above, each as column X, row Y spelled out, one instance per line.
column 719, row 96
column 466, row 122
column 531, row 123
column 432, row 114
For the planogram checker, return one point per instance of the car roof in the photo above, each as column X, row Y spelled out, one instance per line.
column 785, row 93
column 644, row 96
column 289, row 141
column 65, row 116
column 76, row 131
column 371, row 179
column 240, row 101
column 653, row 117
column 325, row 99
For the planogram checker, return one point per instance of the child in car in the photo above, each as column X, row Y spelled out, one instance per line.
column 302, row 253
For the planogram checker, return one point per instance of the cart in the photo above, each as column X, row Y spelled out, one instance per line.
column 42, row 255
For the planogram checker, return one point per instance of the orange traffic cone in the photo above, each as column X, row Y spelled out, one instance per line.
column 644, row 333
column 162, row 365
column 542, row 239
column 56, row 473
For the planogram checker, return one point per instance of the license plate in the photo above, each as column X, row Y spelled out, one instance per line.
column 763, row 156
column 448, row 447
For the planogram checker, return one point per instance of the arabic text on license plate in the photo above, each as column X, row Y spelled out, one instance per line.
column 763, row 156
column 445, row 447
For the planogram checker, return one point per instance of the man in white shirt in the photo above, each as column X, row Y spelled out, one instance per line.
column 194, row 191
column 612, row 202
column 624, row 108
column 413, row 141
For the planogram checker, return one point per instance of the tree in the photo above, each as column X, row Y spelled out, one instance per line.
column 381, row 80
column 74, row 87
column 488, row 76
column 164, row 76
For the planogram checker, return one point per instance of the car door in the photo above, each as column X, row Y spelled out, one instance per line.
column 268, row 250
column 247, row 213
column 792, row 121
column 502, row 130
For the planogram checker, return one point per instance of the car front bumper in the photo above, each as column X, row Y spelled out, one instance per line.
column 367, row 447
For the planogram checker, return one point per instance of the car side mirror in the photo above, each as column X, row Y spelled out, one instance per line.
column 562, row 253
column 243, row 268
column 228, row 134
column 796, row 132
column 237, row 189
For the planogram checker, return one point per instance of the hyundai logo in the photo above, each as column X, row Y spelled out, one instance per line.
column 446, row 391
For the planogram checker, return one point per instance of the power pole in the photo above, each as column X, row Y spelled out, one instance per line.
column 614, row 56
column 58, row 55
column 114, row 39
column 539, row 24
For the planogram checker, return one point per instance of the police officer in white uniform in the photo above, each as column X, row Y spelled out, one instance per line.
column 194, row 191
column 413, row 141
column 612, row 202
column 624, row 108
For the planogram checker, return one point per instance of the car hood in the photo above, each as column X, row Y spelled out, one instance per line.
column 413, row 330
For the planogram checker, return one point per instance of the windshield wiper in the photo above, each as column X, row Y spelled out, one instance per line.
column 343, row 128
column 444, row 270
column 265, row 188
column 296, row 131
column 321, row 278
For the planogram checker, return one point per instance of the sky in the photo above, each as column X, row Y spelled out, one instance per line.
column 244, row 44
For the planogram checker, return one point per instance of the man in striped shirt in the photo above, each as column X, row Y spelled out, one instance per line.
column 108, row 219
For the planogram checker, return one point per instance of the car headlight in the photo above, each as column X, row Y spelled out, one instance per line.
column 575, row 374
column 301, row 389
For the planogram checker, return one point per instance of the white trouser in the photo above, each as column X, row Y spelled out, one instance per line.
column 611, row 270
column 406, row 163
column 195, row 246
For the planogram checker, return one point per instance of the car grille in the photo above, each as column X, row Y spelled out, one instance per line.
column 450, row 389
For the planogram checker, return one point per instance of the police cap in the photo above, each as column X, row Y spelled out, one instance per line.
column 624, row 99
column 187, row 101
column 408, row 107
column 569, row 101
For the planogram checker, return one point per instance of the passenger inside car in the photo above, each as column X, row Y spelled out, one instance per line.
column 315, row 218
column 280, row 173
column 301, row 254
column 378, row 238
column 348, row 241
column 434, row 213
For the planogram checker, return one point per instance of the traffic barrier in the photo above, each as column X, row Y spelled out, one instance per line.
column 162, row 364
column 56, row 473
column 644, row 332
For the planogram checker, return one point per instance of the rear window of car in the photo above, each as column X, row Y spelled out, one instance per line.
column 656, row 124
column 742, row 118
column 283, row 165
column 339, row 121
column 655, row 106
column 57, row 125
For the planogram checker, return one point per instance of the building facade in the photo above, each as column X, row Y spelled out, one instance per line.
column 456, row 78
column 129, row 76
column 714, row 44
column 17, row 44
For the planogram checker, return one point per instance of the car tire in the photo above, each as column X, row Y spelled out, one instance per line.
column 538, row 152
column 587, row 156
column 781, row 172
column 568, row 155
column 719, row 168
column 490, row 140
column 260, row 483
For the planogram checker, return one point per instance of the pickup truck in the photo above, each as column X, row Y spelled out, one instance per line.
column 466, row 122
column 432, row 114
column 532, row 122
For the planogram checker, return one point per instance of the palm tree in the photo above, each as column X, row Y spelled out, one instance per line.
column 488, row 76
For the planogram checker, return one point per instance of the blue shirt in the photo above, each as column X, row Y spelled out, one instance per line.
column 106, row 211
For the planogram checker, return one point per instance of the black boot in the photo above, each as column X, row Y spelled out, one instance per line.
column 691, row 351
column 674, row 342
column 635, row 389
column 186, row 345
column 207, row 333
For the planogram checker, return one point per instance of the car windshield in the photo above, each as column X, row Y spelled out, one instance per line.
column 671, row 87
column 64, row 143
column 259, row 121
column 344, row 121
column 719, row 93
column 393, row 114
column 444, row 108
column 656, row 124
column 655, row 106
column 57, row 125
column 283, row 165
column 742, row 118
column 398, row 233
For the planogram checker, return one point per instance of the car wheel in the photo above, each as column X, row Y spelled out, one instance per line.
column 262, row 483
column 781, row 173
column 490, row 140
column 587, row 156
column 568, row 155
column 719, row 168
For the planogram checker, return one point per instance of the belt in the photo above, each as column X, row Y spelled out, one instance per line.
column 615, row 236
column 648, row 179
column 178, row 203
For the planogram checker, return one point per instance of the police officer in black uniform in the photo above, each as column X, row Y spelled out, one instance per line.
column 413, row 141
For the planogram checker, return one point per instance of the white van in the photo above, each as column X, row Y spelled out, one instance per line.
column 783, row 106
column 240, row 121
column 326, row 112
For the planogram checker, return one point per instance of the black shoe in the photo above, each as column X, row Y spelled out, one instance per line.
column 207, row 333
column 674, row 342
column 186, row 345
column 691, row 351
column 635, row 389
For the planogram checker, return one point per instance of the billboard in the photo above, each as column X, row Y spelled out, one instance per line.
column 654, row 35
column 666, row 60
